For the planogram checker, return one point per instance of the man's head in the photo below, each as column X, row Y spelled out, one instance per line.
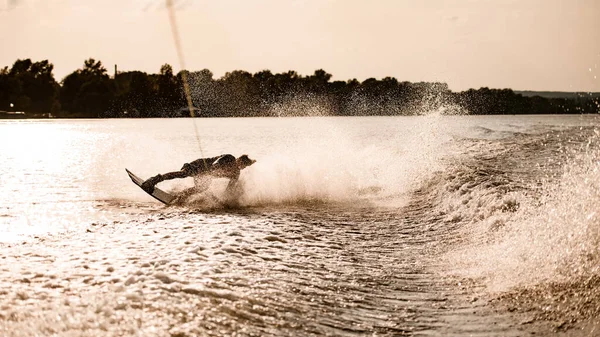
column 244, row 161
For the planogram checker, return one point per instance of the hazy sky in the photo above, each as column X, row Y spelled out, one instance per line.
column 525, row 44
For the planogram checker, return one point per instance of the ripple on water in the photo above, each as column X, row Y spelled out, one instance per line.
column 190, row 273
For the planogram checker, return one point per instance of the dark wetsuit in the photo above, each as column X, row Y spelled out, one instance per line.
column 207, row 165
column 223, row 166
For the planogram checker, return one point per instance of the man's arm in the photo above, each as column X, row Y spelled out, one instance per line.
column 232, row 186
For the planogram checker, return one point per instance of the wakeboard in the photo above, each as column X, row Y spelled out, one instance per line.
column 158, row 194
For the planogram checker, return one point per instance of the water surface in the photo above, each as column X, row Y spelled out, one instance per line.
column 348, row 226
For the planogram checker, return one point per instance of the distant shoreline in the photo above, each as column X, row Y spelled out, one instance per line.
column 321, row 116
column 28, row 90
column 558, row 94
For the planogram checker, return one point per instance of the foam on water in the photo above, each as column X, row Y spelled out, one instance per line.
column 533, row 225
column 336, row 267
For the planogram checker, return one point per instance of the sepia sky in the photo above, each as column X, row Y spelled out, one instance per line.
column 549, row 45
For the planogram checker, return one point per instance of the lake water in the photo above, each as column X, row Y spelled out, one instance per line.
column 426, row 225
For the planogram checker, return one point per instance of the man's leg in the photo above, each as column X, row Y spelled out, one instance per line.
column 183, row 195
column 149, row 184
column 201, row 184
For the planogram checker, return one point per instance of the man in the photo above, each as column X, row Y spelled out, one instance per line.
column 203, row 169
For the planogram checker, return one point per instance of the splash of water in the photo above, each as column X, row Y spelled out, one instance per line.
column 552, row 235
column 329, row 163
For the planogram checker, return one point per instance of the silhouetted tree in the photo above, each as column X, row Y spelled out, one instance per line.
column 30, row 87
column 169, row 93
column 240, row 95
column 9, row 88
column 90, row 92
column 87, row 92
column 205, row 94
column 318, row 82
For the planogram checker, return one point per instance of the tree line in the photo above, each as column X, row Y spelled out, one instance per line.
column 90, row 92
